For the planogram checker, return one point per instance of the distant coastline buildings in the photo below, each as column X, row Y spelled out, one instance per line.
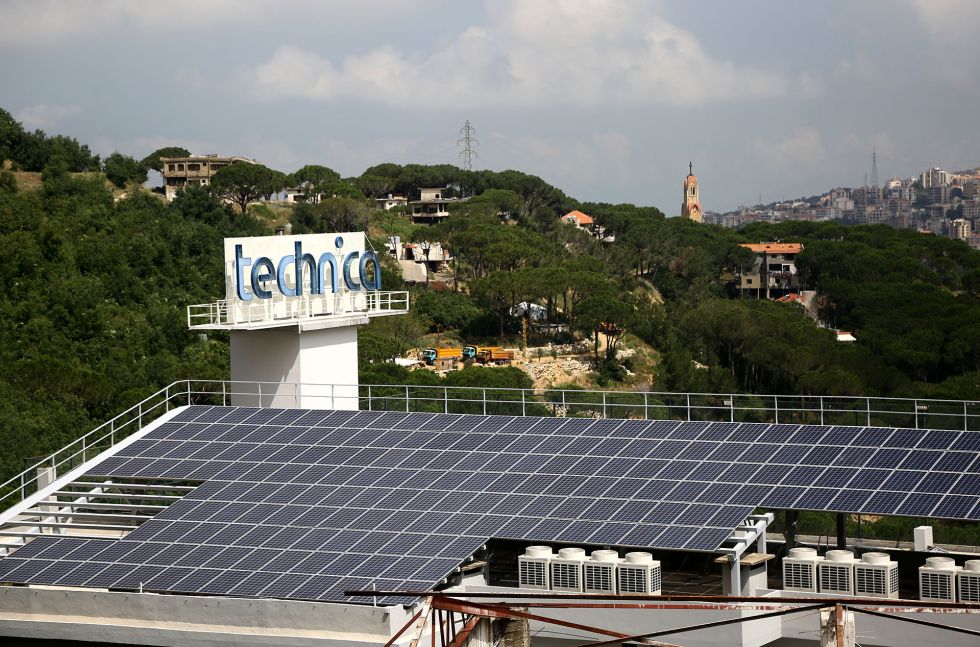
column 936, row 201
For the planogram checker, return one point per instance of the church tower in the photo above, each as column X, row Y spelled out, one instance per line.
column 691, row 207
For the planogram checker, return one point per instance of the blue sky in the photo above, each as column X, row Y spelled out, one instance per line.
column 606, row 99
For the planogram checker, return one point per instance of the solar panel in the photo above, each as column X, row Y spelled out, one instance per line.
column 303, row 504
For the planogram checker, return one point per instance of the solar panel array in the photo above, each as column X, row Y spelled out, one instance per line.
column 306, row 504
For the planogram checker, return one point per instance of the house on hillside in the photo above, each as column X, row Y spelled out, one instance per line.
column 391, row 202
column 430, row 208
column 773, row 271
column 579, row 220
column 197, row 170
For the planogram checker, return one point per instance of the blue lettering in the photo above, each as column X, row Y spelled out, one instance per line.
column 348, row 279
column 328, row 259
column 240, row 265
column 259, row 277
column 368, row 282
column 284, row 288
column 299, row 258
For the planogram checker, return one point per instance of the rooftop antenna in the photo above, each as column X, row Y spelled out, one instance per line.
column 874, row 168
column 468, row 141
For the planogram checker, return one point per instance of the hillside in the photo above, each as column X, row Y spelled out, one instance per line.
column 93, row 315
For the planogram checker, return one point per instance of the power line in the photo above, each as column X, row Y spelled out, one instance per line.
column 468, row 141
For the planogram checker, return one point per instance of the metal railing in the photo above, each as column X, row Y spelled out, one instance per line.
column 961, row 415
column 225, row 315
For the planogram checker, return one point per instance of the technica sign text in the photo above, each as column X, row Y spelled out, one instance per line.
column 256, row 277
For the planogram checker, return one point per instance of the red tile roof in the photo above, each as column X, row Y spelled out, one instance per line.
column 774, row 248
column 580, row 218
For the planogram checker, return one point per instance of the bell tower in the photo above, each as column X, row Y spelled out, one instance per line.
column 691, row 206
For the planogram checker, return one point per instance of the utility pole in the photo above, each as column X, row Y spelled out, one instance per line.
column 468, row 141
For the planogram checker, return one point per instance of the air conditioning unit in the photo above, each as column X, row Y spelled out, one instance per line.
column 800, row 570
column 533, row 567
column 876, row 576
column 639, row 573
column 599, row 572
column 835, row 574
column 968, row 581
column 937, row 579
column 566, row 570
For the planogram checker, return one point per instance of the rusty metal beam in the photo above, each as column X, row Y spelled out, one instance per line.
column 465, row 632
column 404, row 628
column 721, row 599
column 706, row 625
column 916, row 621
column 493, row 611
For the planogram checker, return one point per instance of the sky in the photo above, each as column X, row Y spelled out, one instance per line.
column 606, row 99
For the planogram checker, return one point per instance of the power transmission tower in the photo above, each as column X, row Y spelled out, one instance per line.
column 468, row 141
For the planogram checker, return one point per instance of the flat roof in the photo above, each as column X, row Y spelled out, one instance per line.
column 304, row 504
column 774, row 248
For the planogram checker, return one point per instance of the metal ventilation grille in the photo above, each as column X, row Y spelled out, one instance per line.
column 969, row 587
column 798, row 576
column 599, row 578
column 533, row 573
column 871, row 581
column 835, row 578
column 566, row 576
column 936, row 586
column 635, row 580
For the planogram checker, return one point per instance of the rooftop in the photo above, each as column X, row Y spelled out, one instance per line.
column 774, row 248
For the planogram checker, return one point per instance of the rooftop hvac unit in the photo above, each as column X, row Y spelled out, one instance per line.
column 876, row 576
column 835, row 573
column 599, row 572
column 937, row 579
column 968, row 581
column 800, row 570
column 566, row 570
column 639, row 573
column 532, row 567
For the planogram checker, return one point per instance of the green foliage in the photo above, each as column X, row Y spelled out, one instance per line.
column 121, row 169
column 32, row 151
column 93, row 315
column 445, row 310
column 8, row 182
column 243, row 182
column 152, row 161
column 314, row 180
column 329, row 215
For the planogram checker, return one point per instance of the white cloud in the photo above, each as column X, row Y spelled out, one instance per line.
column 44, row 22
column 803, row 147
column 531, row 52
column 45, row 116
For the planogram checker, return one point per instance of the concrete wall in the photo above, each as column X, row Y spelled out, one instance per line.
column 151, row 619
column 284, row 357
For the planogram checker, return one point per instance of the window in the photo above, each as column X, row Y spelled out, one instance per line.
column 694, row 190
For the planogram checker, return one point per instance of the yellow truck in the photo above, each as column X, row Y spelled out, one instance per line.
column 430, row 355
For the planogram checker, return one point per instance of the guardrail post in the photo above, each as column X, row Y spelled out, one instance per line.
column 731, row 408
column 868, row 404
column 915, row 407
column 370, row 399
column 484, row 402
column 821, row 409
column 523, row 405
column 775, row 402
column 688, row 407
column 406, row 398
column 445, row 400
column 260, row 394
column 224, row 396
column 166, row 401
column 646, row 406
column 966, row 426
column 604, row 415
column 139, row 409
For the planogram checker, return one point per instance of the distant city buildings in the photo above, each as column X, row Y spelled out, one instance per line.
column 936, row 201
